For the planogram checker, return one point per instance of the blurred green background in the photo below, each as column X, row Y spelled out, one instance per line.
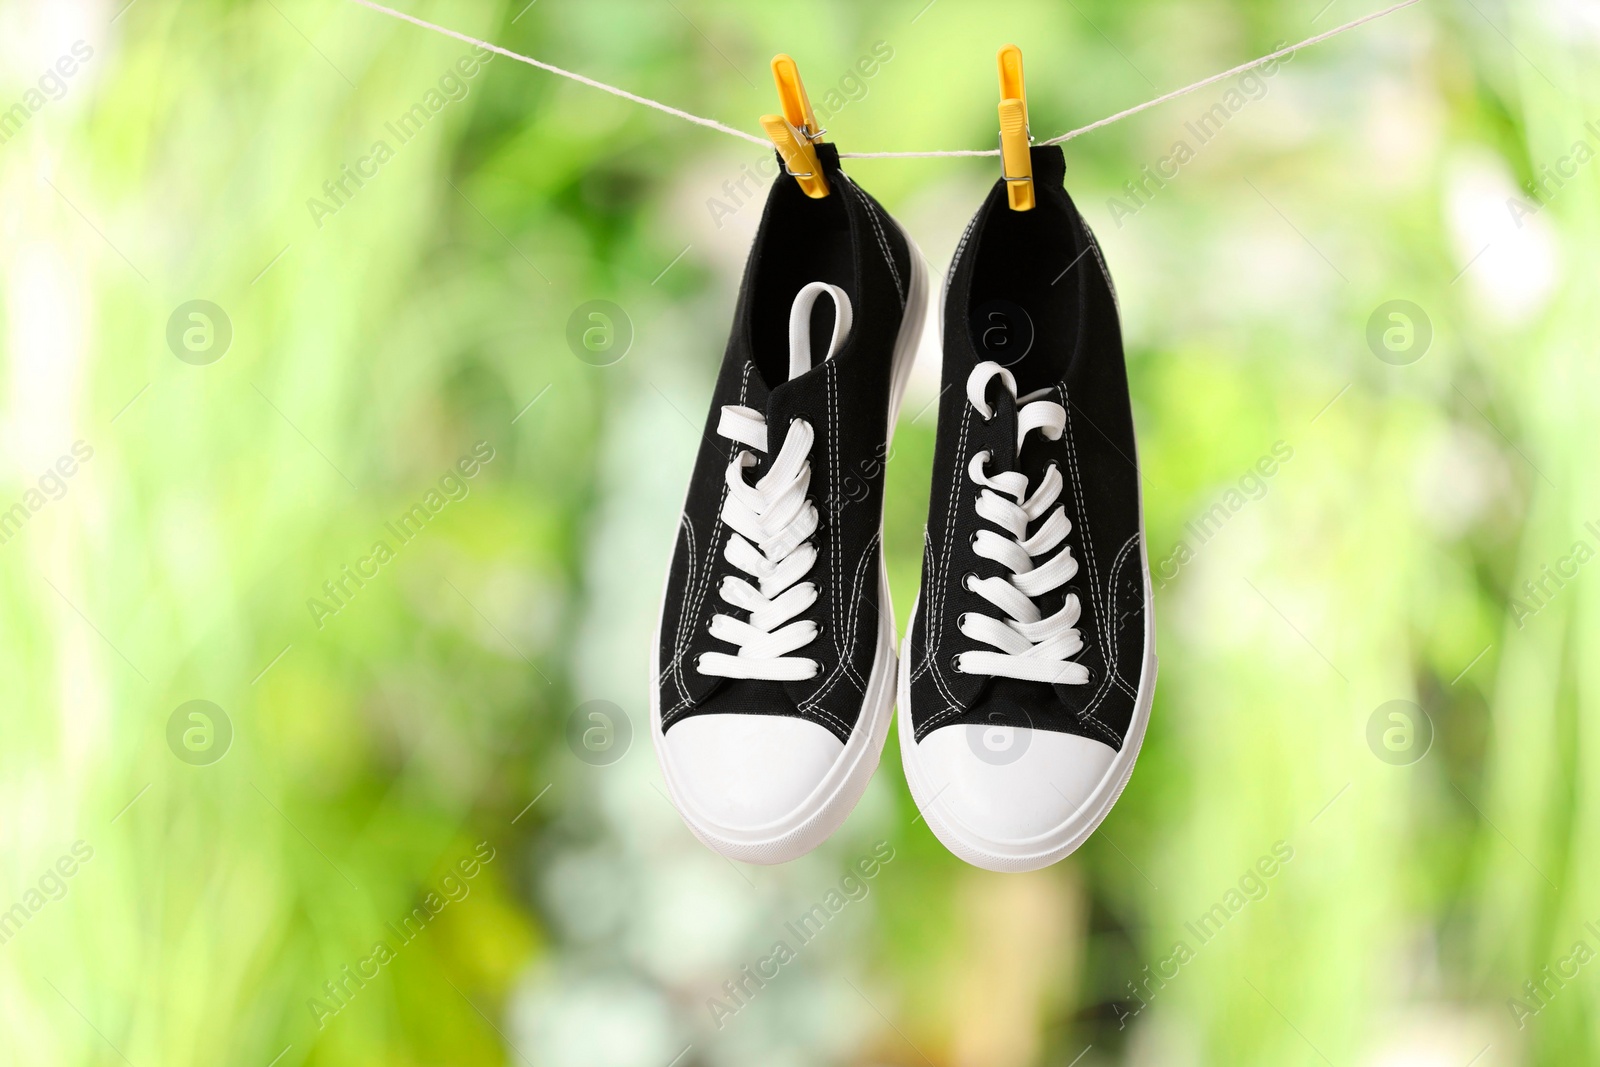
column 384, row 838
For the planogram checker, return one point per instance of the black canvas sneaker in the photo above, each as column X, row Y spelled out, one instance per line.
column 774, row 664
column 1030, row 665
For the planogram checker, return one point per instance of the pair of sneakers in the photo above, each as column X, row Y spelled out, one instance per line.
column 1026, row 678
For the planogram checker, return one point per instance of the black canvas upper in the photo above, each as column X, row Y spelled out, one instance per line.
column 1034, row 280
column 848, row 240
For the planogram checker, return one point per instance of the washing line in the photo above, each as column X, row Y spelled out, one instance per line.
column 713, row 124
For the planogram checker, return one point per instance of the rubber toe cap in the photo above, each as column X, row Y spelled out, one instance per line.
column 745, row 772
column 1012, row 784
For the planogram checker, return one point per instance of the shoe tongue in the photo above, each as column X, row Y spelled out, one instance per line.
column 998, row 435
column 1023, row 704
column 803, row 397
column 805, row 393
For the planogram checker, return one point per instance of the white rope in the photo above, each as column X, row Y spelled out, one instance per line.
column 612, row 89
column 1240, row 69
column 764, row 142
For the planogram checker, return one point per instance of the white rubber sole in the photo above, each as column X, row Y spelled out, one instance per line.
column 1060, row 841
column 830, row 803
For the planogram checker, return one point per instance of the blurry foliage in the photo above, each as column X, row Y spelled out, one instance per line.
column 373, row 350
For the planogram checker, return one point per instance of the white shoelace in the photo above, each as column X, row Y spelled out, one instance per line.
column 1031, row 647
column 772, row 524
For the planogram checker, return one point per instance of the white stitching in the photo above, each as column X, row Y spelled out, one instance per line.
column 888, row 254
column 1088, row 555
column 930, row 651
column 1111, row 735
column 935, row 719
column 1083, row 511
column 835, row 561
column 1104, row 273
column 687, row 525
column 930, row 575
column 948, row 550
column 695, row 595
column 940, row 682
column 873, row 552
column 960, row 245
column 830, row 379
column 872, row 210
column 1116, row 566
column 845, row 667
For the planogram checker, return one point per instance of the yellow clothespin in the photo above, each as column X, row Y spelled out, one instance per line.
column 796, row 130
column 1016, row 166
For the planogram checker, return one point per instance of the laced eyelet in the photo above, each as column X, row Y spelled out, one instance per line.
column 1036, row 410
column 748, row 583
